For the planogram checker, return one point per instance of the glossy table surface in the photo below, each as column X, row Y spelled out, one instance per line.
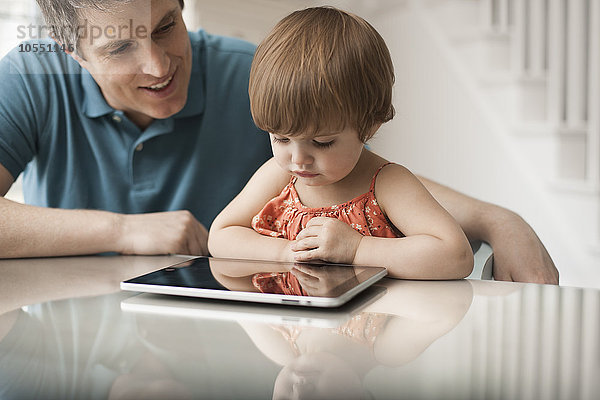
column 68, row 332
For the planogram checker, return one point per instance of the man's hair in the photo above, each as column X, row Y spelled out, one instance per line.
column 321, row 69
column 63, row 17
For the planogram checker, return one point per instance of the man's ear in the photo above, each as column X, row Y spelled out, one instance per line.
column 76, row 57
column 69, row 50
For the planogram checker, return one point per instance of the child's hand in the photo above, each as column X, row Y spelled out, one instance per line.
column 326, row 239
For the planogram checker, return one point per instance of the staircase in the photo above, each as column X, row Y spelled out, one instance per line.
column 527, row 105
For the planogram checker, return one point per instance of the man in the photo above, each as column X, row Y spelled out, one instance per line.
column 133, row 141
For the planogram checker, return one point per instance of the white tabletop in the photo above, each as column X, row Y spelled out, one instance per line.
column 64, row 334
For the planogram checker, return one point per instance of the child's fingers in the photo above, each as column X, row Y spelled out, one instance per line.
column 309, row 270
column 306, row 244
column 307, row 255
column 308, row 232
column 303, row 275
column 315, row 274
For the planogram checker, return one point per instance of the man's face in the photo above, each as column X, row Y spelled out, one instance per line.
column 140, row 56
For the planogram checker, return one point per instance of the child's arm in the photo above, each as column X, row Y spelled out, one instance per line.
column 435, row 247
column 231, row 233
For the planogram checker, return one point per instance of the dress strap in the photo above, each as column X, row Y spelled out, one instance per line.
column 372, row 189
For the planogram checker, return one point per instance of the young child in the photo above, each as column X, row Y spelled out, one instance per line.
column 321, row 85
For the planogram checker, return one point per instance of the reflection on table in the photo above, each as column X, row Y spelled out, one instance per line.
column 418, row 340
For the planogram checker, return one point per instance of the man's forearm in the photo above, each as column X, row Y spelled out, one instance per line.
column 478, row 219
column 519, row 254
column 474, row 216
column 29, row 231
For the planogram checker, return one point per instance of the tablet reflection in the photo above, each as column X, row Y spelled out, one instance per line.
column 299, row 279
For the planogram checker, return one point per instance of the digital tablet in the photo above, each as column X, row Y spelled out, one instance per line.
column 193, row 308
column 302, row 284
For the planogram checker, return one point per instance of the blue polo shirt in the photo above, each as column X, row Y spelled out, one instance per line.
column 77, row 152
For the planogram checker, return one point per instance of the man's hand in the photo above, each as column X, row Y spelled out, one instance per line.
column 519, row 255
column 326, row 239
column 172, row 232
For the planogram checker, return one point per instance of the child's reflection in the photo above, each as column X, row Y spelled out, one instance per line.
column 148, row 379
column 322, row 372
column 332, row 363
column 318, row 375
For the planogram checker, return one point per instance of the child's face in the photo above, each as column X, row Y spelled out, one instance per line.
column 320, row 159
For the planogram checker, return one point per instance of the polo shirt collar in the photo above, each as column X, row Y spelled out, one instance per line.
column 94, row 103
column 196, row 94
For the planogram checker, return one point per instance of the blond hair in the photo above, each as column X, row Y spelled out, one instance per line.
column 321, row 69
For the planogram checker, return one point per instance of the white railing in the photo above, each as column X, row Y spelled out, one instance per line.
column 593, row 104
column 558, row 41
column 515, row 329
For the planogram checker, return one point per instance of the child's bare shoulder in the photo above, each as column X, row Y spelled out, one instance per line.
column 395, row 173
column 394, row 179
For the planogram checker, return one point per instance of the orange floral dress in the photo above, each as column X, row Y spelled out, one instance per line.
column 285, row 216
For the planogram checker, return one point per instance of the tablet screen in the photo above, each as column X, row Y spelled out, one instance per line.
column 262, row 281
